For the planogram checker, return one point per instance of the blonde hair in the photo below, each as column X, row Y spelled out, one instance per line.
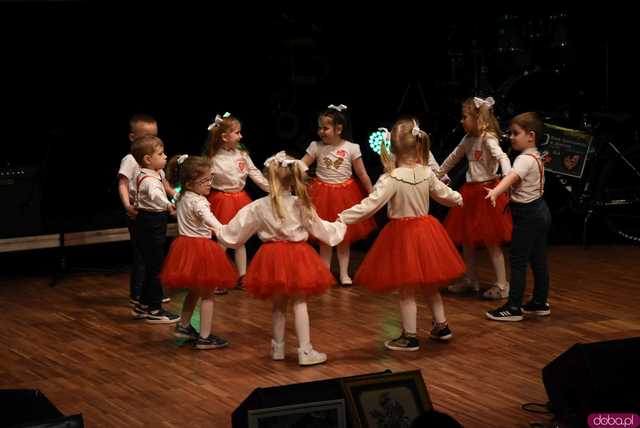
column 487, row 123
column 403, row 142
column 214, row 140
column 283, row 178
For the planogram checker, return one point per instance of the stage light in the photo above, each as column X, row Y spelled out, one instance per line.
column 379, row 137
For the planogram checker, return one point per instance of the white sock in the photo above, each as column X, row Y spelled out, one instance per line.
column 302, row 324
column 408, row 311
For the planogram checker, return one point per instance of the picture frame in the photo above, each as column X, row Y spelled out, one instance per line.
column 394, row 399
column 565, row 151
column 320, row 414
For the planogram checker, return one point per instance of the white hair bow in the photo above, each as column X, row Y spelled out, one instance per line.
column 386, row 134
column 218, row 120
column 282, row 160
column 489, row 102
column 181, row 159
column 338, row 107
column 415, row 131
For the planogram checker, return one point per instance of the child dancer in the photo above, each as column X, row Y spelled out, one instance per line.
column 334, row 189
column 413, row 251
column 152, row 205
column 285, row 267
column 194, row 261
column 140, row 125
column 531, row 222
column 478, row 223
column 230, row 166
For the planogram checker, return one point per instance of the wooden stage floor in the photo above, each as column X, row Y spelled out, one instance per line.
column 78, row 344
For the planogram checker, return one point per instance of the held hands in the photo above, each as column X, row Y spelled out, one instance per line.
column 172, row 210
column 491, row 195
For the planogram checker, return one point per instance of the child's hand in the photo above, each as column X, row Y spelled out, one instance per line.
column 172, row 210
column 461, row 203
column 131, row 212
column 491, row 194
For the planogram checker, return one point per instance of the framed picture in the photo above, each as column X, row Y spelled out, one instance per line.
column 564, row 151
column 393, row 400
column 320, row 414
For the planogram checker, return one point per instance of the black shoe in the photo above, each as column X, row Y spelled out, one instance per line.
column 406, row 342
column 540, row 309
column 240, row 283
column 505, row 313
column 440, row 331
column 140, row 312
column 186, row 332
column 134, row 301
column 160, row 316
column 211, row 342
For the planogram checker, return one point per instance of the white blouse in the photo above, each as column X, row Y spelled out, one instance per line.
column 259, row 217
column 334, row 164
column 407, row 192
column 484, row 156
column 194, row 216
column 230, row 168
column 150, row 194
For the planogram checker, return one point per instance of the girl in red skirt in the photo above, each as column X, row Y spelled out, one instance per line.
column 196, row 262
column 334, row 188
column 285, row 267
column 230, row 166
column 479, row 223
column 413, row 251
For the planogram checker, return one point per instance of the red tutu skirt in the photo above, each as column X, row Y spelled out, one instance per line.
column 410, row 252
column 477, row 223
column 225, row 205
column 290, row 268
column 331, row 199
column 197, row 263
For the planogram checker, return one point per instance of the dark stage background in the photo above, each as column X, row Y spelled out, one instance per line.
column 73, row 73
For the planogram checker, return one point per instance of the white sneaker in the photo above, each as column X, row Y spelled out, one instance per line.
column 311, row 357
column 496, row 293
column 277, row 350
column 464, row 285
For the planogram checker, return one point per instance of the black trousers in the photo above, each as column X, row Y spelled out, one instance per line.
column 531, row 223
column 137, row 268
column 150, row 235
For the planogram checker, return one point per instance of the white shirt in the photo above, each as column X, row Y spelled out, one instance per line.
column 259, row 217
column 531, row 186
column 334, row 163
column 484, row 156
column 230, row 168
column 407, row 192
column 150, row 195
column 129, row 168
column 194, row 216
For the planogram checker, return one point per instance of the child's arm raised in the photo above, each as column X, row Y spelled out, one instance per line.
column 511, row 179
column 442, row 193
column 331, row 233
column 380, row 195
column 238, row 231
column 456, row 155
